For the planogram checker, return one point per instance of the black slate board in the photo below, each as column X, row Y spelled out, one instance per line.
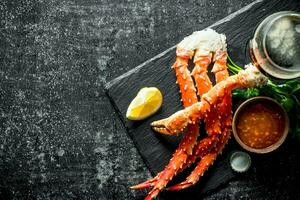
column 157, row 149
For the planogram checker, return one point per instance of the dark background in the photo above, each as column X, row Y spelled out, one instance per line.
column 60, row 138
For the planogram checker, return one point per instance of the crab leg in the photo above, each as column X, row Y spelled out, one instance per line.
column 221, row 73
column 179, row 158
column 204, row 164
column 202, row 59
column 212, row 119
column 205, row 145
column 203, row 84
column 189, row 140
column 250, row 77
column 209, row 158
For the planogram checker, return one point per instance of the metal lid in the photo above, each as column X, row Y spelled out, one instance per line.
column 240, row 161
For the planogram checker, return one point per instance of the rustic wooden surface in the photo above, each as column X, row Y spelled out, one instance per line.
column 156, row 149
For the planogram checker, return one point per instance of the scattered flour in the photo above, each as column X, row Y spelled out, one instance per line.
column 60, row 152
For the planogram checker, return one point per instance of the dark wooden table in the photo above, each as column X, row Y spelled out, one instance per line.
column 60, row 138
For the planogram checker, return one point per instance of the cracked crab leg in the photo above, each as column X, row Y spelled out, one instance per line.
column 250, row 77
column 189, row 97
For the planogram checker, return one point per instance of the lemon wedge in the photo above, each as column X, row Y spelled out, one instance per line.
column 146, row 103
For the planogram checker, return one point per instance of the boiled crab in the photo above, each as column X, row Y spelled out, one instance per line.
column 214, row 108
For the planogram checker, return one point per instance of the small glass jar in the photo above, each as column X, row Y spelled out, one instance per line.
column 275, row 46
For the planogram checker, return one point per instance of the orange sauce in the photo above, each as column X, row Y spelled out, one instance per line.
column 260, row 126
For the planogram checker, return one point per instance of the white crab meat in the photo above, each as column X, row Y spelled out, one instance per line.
column 204, row 41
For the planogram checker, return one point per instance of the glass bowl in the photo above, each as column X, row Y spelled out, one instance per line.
column 275, row 46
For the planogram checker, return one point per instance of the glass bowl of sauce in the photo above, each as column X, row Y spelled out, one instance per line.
column 275, row 46
column 260, row 125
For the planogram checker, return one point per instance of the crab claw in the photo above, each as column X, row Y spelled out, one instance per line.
column 163, row 127
column 163, row 130
column 172, row 125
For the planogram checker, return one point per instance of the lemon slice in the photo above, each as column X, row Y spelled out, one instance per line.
column 146, row 103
